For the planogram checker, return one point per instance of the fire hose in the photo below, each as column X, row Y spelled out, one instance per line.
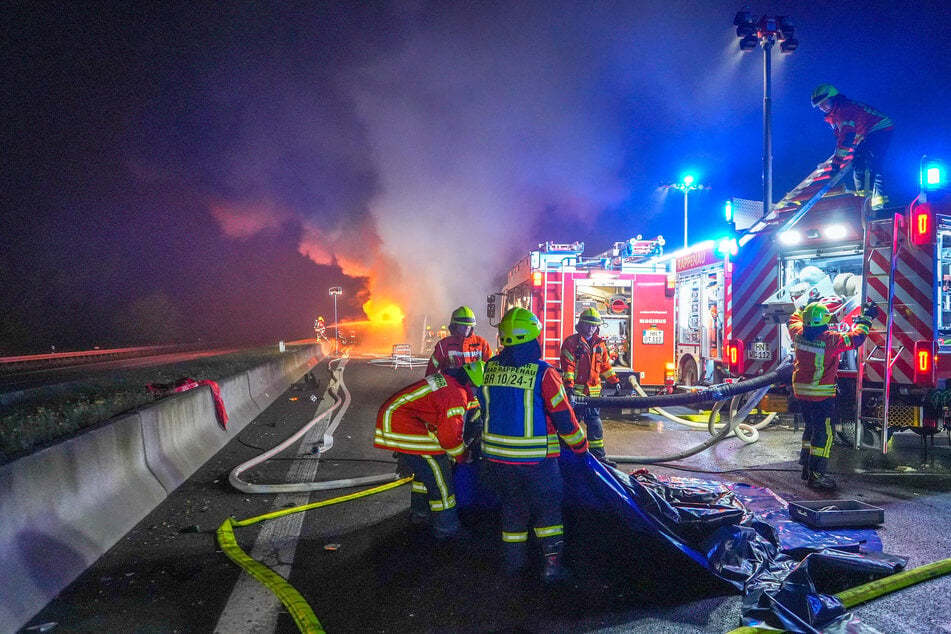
column 719, row 393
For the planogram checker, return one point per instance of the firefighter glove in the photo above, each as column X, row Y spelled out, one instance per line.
column 870, row 310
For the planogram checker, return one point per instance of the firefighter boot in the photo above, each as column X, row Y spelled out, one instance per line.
column 447, row 527
column 804, row 461
column 555, row 571
column 516, row 557
column 820, row 481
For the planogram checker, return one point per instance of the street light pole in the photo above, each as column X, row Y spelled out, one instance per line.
column 686, row 185
column 336, row 290
column 766, row 31
column 767, row 125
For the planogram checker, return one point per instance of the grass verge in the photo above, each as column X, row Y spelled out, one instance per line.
column 49, row 415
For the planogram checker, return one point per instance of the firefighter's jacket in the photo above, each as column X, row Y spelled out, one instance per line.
column 454, row 352
column 817, row 360
column 425, row 418
column 852, row 121
column 585, row 364
column 525, row 410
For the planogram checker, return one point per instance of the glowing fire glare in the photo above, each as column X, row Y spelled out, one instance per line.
column 385, row 325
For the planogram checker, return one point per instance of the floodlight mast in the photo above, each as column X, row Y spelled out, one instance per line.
column 766, row 31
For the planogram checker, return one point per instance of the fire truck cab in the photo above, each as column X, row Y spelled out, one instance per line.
column 628, row 286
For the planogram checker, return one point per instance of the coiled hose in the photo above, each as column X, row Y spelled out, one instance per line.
column 720, row 393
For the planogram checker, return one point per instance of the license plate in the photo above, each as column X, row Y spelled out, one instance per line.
column 653, row 336
column 760, row 351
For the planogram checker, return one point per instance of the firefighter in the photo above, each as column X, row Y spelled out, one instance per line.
column 584, row 364
column 525, row 410
column 429, row 338
column 443, row 332
column 813, row 381
column 423, row 424
column 858, row 129
column 461, row 346
column 320, row 329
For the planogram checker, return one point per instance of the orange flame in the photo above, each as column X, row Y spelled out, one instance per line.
column 382, row 329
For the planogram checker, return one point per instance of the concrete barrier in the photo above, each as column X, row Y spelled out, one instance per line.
column 181, row 432
column 63, row 507
column 241, row 408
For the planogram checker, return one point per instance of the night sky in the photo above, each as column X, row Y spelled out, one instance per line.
column 207, row 170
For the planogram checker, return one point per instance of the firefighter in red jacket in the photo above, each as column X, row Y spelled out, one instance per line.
column 423, row 423
column 814, row 374
column 461, row 346
column 860, row 130
column 525, row 412
column 584, row 364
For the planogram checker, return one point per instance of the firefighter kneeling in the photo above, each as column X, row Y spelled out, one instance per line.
column 424, row 423
column 814, row 379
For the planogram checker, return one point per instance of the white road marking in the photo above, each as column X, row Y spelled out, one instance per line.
column 252, row 607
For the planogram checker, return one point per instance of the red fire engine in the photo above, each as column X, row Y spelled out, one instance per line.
column 821, row 243
column 629, row 286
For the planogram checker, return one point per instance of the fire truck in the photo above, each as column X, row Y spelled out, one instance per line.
column 821, row 242
column 702, row 307
column 628, row 285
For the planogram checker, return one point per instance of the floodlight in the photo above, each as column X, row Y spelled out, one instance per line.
column 748, row 43
column 788, row 46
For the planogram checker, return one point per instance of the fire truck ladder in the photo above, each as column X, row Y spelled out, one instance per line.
column 871, row 401
column 553, row 306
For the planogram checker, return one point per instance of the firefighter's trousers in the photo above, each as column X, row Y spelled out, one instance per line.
column 531, row 496
column 817, row 436
column 433, row 494
column 594, row 428
column 869, row 157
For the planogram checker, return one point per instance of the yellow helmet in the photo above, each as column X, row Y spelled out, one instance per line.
column 816, row 314
column 823, row 92
column 463, row 316
column 591, row 317
column 518, row 325
column 475, row 370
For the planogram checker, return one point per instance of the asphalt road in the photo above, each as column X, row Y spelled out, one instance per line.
column 363, row 567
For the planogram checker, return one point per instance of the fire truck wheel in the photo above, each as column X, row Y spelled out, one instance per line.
column 688, row 373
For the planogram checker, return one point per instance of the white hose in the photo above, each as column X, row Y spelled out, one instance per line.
column 339, row 406
column 734, row 417
column 744, row 431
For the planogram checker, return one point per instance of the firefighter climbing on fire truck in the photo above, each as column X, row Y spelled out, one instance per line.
column 584, row 364
column 814, row 381
column 461, row 346
column 859, row 130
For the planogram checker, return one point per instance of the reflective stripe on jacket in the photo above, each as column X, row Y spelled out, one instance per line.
column 454, row 352
column 817, row 360
column 585, row 364
column 851, row 121
column 425, row 418
column 516, row 402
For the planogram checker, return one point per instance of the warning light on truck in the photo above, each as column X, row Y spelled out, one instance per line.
column 921, row 228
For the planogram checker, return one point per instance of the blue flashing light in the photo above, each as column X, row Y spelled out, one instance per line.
column 728, row 211
column 934, row 175
column 725, row 247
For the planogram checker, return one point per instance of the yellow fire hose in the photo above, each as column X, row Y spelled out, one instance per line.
column 873, row 589
column 296, row 604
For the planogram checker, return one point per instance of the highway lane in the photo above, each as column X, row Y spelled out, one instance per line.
column 363, row 568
